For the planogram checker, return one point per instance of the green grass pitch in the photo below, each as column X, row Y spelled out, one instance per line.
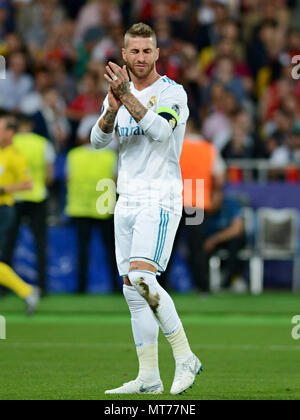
column 75, row 347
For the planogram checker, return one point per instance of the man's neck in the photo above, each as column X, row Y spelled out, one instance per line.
column 141, row 84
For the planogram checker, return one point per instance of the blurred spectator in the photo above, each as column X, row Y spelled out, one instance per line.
column 17, row 83
column 230, row 45
column 289, row 153
column 169, row 64
column 62, row 80
column 32, row 102
column 109, row 47
column 96, row 13
column 36, row 21
column 85, row 48
column 223, row 108
column 257, row 12
column 277, row 131
column 211, row 20
column 241, row 143
column 50, row 121
column 293, row 42
column 225, row 230
column 192, row 78
column 88, row 101
column 31, row 206
column 230, row 48
column 60, row 46
column 85, row 168
column 291, row 104
column 274, row 97
column 12, row 44
column 225, row 74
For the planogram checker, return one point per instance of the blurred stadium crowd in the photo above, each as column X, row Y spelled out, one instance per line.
column 234, row 58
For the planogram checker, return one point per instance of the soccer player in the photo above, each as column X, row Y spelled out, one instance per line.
column 149, row 115
column 14, row 177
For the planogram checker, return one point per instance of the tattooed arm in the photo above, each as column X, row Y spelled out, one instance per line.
column 156, row 127
column 102, row 132
column 106, row 123
column 134, row 107
column 151, row 123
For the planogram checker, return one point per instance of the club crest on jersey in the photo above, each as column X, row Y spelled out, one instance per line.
column 173, row 123
column 152, row 102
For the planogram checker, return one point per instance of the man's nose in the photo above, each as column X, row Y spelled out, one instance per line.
column 141, row 57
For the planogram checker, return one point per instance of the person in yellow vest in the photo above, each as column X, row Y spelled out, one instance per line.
column 203, row 174
column 85, row 168
column 14, row 177
column 31, row 205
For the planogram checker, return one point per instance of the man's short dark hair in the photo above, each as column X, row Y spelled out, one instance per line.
column 140, row 30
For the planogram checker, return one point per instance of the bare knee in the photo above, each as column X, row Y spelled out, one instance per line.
column 139, row 265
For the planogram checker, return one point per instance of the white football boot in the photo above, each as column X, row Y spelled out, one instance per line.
column 185, row 374
column 138, row 387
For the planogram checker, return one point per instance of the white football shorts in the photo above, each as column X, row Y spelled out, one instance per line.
column 144, row 233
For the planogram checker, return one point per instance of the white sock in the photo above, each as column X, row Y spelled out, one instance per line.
column 148, row 364
column 180, row 345
column 164, row 310
column 145, row 332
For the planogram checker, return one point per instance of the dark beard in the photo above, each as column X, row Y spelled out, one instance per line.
column 138, row 76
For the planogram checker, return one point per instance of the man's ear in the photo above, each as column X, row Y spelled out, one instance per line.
column 157, row 53
column 124, row 55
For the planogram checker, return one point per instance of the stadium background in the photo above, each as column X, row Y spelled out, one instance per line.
column 246, row 46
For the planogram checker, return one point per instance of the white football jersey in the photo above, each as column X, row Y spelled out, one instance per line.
column 148, row 170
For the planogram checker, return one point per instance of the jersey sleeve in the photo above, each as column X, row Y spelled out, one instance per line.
column 171, row 111
column 172, row 105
